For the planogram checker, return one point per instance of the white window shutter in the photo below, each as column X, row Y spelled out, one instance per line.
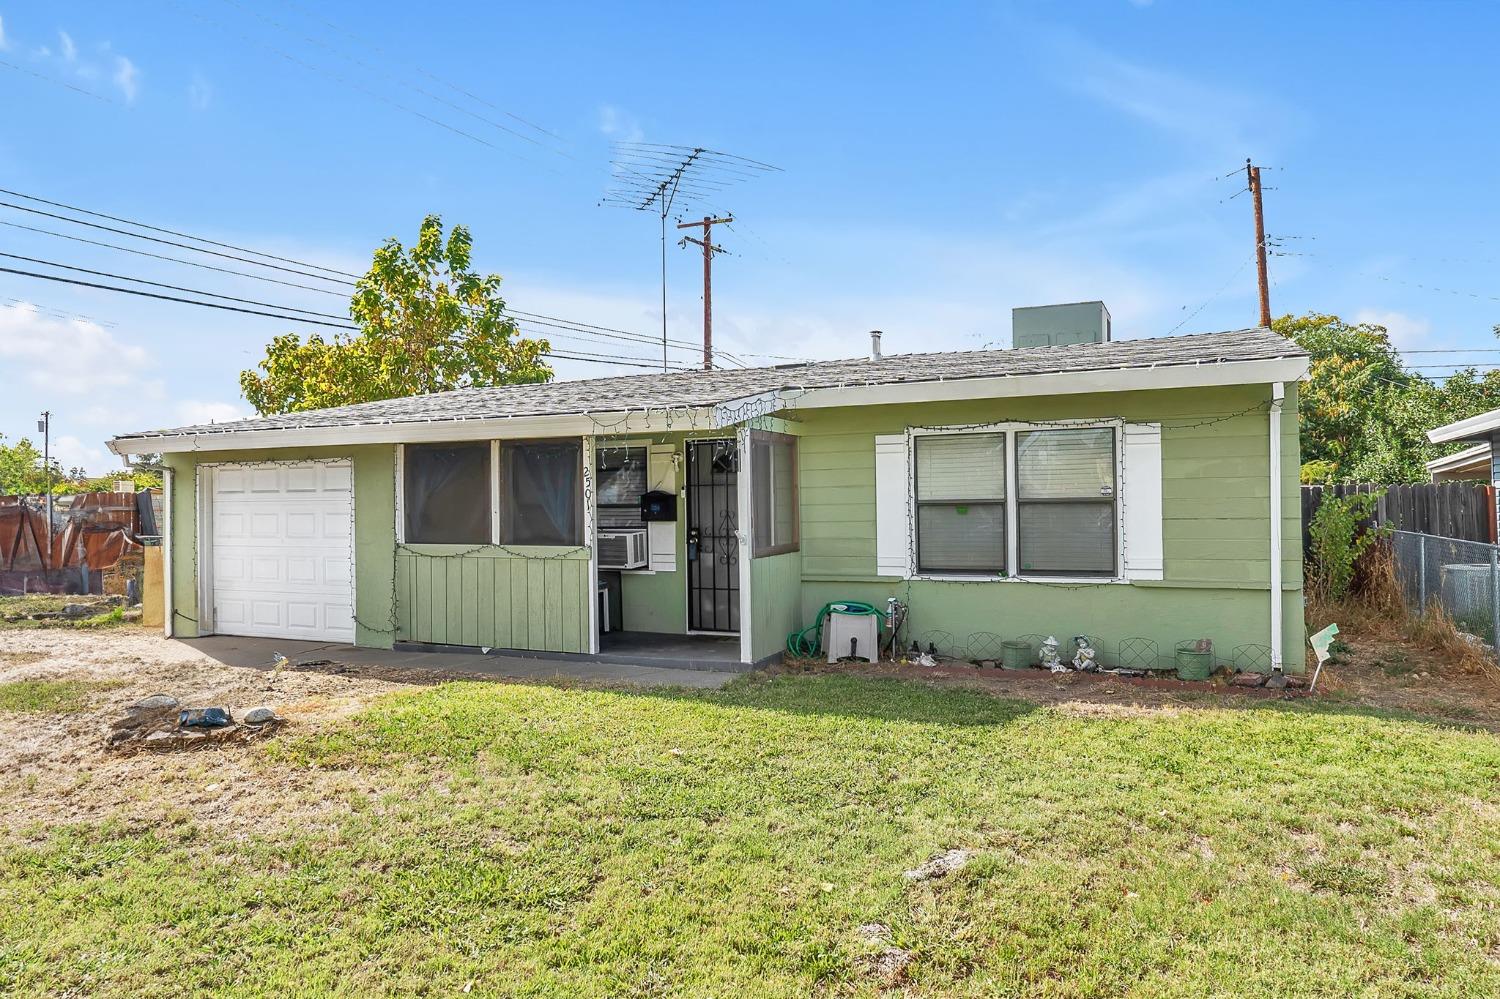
column 661, row 537
column 1142, row 501
column 892, row 498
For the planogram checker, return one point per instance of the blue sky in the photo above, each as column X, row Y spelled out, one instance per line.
column 941, row 164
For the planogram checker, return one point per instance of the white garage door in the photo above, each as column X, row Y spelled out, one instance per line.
column 282, row 561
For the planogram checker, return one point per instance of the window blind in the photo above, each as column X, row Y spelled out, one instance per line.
column 960, row 491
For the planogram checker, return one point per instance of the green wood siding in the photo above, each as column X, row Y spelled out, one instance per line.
column 455, row 595
column 775, row 601
column 1215, row 504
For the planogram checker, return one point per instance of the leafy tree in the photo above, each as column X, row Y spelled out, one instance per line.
column 428, row 323
column 21, row 469
column 1364, row 414
column 22, row 472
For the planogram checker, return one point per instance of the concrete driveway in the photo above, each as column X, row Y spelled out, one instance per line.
column 261, row 652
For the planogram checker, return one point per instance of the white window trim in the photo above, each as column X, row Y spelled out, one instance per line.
column 641, row 444
column 1013, row 505
column 495, row 484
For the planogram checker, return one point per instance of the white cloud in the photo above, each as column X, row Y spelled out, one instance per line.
column 89, row 62
column 200, row 93
column 69, row 356
column 72, row 452
column 1406, row 331
column 620, row 125
column 1224, row 122
column 191, row 412
column 126, row 78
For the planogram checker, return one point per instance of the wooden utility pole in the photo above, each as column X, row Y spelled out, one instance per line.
column 709, row 249
column 45, row 426
column 1253, row 174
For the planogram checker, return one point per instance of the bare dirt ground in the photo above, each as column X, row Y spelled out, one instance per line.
column 1387, row 675
column 54, row 767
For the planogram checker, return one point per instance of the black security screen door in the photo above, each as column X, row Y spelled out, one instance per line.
column 713, row 590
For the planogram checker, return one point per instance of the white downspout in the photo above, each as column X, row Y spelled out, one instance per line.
column 1278, row 394
column 168, row 607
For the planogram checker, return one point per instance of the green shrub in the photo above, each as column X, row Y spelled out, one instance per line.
column 1338, row 540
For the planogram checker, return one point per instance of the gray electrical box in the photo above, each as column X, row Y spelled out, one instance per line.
column 1059, row 325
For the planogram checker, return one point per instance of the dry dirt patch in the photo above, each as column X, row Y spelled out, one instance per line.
column 54, row 768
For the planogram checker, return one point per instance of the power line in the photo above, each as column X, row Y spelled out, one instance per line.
column 170, row 287
column 582, row 328
column 410, row 86
column 603, row 331
column 174, row 232
column 431, row 76
column 175, row 260
column 154, row 239
column 597, row 359
column 61, row 313
column 337, row 78
column 168, row 298
column 59, row 83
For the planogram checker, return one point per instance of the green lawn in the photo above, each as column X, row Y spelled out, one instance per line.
column 51, row 696
column 536, row 841
column 37, row 603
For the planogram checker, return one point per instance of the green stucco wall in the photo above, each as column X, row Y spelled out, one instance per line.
column 374, row 533
column 1216, row 536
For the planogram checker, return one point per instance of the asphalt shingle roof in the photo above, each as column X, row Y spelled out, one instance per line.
column 709, row 388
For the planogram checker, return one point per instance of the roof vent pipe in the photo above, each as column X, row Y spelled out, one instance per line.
column 874, row 345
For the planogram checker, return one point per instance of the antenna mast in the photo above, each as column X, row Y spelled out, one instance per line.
column 649, row 176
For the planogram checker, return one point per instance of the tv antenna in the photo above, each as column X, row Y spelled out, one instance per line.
column 652, row 177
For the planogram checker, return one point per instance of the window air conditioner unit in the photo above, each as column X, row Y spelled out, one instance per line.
column 623, row 548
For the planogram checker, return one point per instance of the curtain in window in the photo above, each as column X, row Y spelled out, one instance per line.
column 619, row 485
column 1066, row 501
column 446, row 493
column 960, row 492
column 541, row 494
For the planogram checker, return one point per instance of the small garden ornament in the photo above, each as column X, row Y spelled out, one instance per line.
column 1084, row 657
column 1049, row 657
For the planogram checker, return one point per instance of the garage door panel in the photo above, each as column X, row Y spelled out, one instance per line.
column 282, row 553
column 337, row 570
column 338, row 478
column 230, row 526
column 302, row 480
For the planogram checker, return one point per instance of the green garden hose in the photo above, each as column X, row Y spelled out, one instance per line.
column 799, row 645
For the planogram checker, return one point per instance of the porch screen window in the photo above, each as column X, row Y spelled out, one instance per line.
column 1065, row 480
column 773, row 470
column 620, row 483
column 447, row 493
column 961, row 503
column 541, row 495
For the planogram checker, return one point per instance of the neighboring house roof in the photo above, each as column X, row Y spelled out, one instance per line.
column 1476, row 459
column 1475, row 428
column 818, row 383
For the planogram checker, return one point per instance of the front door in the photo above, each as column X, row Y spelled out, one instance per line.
column 713, row 546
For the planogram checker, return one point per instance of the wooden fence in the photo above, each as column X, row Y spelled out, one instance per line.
column 1463, row 510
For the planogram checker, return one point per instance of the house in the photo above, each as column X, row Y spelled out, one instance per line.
column 1139, row 492
column 1472, row 464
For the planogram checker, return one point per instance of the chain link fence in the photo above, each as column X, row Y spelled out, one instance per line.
column 1461, row 577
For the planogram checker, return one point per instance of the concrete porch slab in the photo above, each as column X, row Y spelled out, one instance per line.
column 259, row 653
